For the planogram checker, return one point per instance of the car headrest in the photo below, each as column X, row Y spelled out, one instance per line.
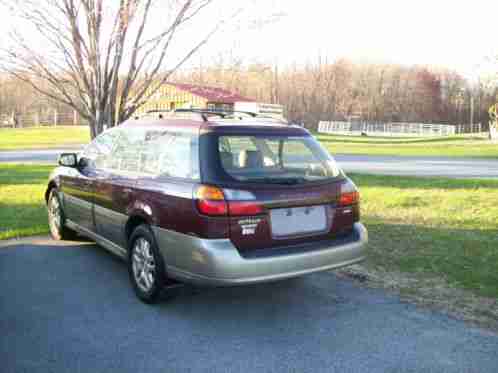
column 226, row 160
column 250, row 159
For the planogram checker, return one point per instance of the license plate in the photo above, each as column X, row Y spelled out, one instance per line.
column 298, row 221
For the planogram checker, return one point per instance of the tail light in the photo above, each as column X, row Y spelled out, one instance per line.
column 349, row 194
column 213, row 201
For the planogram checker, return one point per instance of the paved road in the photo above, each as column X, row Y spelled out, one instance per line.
column 70, row 309
column 383, row 165
column 34, row 156
column 419, row 166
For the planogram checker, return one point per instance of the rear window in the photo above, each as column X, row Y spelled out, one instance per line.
column 275, row 159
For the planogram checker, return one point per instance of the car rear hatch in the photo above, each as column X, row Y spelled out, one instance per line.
column 279, row 190
column 276, row 217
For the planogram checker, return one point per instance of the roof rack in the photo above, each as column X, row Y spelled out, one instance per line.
column 230, row 114
column 152, row 112
column 204, row 114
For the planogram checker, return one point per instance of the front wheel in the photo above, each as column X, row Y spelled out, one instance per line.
column 145, row 265
column 56, row 219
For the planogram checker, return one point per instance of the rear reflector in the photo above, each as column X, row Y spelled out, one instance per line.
column 244, row 208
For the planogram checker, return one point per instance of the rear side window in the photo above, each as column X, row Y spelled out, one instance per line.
column 152, row 152
column 275, row 159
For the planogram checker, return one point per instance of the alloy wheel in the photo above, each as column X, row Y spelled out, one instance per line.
column 143, row 264
column 54, row 214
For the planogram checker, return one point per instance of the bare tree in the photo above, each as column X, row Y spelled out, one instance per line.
column 341, row 89
column 102, row 60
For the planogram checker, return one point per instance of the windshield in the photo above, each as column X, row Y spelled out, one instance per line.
column 275, row 159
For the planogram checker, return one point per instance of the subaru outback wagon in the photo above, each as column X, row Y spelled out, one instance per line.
column 209, row 199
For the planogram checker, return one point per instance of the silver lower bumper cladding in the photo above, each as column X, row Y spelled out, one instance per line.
column 218, row 262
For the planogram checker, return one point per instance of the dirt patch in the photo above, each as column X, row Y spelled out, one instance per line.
column 432, row 292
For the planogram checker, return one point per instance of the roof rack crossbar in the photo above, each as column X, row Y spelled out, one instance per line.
column 204, row 114
column 157, row 111
column 223, row 114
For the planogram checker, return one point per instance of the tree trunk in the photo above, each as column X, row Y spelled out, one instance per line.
column 93, row 129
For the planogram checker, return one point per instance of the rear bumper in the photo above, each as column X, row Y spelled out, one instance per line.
column 218, row 262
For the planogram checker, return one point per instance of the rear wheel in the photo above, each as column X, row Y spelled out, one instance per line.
column 56, row 219
column 146, row 265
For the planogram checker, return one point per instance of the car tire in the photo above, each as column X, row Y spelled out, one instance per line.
column 57, row 219
column 146, row 265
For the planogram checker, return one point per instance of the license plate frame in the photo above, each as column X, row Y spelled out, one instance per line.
column 299, row 221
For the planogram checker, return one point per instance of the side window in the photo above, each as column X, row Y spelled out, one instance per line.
column 127, row 151
column 177, row 159
column 155, row 152
column 99, row 152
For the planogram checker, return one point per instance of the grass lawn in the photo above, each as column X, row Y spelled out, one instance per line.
column 43, row 137
column 445, row 227
column 22, row 209
column 455, row 146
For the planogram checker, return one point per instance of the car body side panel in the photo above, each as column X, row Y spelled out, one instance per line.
column 172, row 207
column 113, row 197
column 77, row 187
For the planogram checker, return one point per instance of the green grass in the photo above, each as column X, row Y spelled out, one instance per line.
column 455, row 146
column 435, row 226
column 43, row 137
column 445, row 227
column 22, row 209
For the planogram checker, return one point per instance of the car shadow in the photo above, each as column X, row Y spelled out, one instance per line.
column 112, row 266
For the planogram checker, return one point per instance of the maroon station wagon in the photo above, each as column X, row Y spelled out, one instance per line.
column 210, row 199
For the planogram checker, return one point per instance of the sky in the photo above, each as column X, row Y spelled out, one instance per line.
column 458, row 34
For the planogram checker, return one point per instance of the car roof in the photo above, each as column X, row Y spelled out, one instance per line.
column 254, row 127
column 182, row 125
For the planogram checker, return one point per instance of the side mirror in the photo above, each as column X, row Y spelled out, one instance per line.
column 68, row 160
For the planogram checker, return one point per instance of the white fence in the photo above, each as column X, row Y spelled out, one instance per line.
column 395, row 129
column 47, row 118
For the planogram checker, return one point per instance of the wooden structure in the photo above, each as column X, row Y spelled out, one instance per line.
column 173, row 96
